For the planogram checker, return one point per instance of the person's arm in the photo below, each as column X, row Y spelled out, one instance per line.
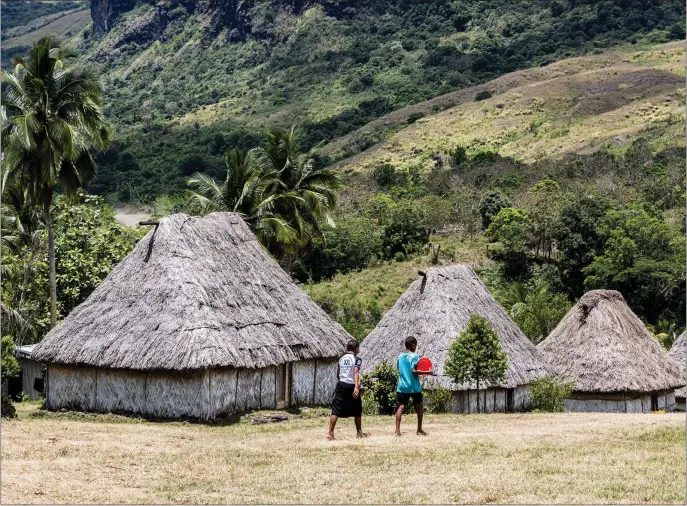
column 356, row 378
column 414, row 365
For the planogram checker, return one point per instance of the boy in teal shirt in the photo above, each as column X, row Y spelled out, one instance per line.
column 409, row 385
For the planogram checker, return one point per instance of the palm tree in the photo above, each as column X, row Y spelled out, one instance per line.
column 245, row 191
column 311, row 190
column 278, row 190
column 51, row 117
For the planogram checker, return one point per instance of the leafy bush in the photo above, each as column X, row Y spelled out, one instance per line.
column 437, row 398
column 482, row 95
column 549, row 392
column 490, row 205
column 382, row 383
column 407, row 229
column 7, row 408
column 385, row 175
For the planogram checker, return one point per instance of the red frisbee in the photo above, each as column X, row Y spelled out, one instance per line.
column 424, row 366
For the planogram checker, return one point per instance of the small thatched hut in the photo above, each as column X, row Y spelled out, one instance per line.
column 615, row 363
column 197, row 321
column 679, row 355
column 435, row 309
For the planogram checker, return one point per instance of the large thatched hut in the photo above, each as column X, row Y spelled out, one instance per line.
column 435, row 309
column 679, row 355
column 615, row 363
column 197, row 321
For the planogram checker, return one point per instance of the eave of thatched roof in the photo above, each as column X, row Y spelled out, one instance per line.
column 602, row 346
column 437, row 313
column 679, row 355
column 196, row 292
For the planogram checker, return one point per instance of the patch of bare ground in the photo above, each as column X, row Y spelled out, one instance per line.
column 517, row 458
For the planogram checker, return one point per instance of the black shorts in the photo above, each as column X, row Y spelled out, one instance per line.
column 403, row 398
column 344, row 405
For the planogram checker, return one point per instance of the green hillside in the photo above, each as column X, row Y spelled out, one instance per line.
column 24, row 22
column 185, row 81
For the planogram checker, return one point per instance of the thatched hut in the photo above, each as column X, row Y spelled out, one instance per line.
column 679, row 355
column 197, row 321
column 435, row 309
column 615, row 363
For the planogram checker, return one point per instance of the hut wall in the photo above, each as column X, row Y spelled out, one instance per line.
column 268, row 388
column 223, row 391
column 71, row 388
column 202, row 394
column 30, row 370
column 303, row 382
column 248, row 390
column 492, row 400
column 178, row 395
column 119, row 391
column 326, row 381
column 618, row 403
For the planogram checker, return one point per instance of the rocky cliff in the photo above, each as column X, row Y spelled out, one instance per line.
column 106, row 12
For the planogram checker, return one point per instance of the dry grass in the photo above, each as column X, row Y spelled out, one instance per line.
column 575, row 106
column 61, row 25
column 529, row 458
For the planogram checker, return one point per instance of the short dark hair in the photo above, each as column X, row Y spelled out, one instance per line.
column 410, row 341
column 352, row 345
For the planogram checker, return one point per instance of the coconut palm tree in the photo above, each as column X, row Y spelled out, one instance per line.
column 245, row 191
column 279, row 191
column 51, row 117
column 312, row 189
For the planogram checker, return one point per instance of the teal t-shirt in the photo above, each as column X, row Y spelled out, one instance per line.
column 407, row 381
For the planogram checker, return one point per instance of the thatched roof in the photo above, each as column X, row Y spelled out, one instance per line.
column 679, row 355
column 436, row 311
column 195, row 293
column 602, row 346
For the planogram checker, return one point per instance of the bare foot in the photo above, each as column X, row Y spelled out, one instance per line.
column 422, row 433
column 330, row 437
column 397, row 434
column 363, row 434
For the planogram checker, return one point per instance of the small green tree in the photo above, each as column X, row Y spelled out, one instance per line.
column 490, row 205
column 549, row 392
column 382, row 382
column 476, row 355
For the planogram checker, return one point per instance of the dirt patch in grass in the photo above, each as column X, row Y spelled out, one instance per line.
column 528, row 458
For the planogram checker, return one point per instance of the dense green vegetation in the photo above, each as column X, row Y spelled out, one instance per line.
column 21, row 12
column 52, row 120
column 181, row 94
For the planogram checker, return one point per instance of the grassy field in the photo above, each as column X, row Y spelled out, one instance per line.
column 61, row 25
column 517, row 458
column 573, row 106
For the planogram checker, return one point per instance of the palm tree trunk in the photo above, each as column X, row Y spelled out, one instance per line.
column 51, row 260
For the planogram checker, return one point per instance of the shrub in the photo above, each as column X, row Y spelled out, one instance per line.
column 482, row 95
column 490, row 205
column 549, row 392
column 7, row 408
column 406, row 231
column 382, row 383
column 385, row 175
column 437, row 398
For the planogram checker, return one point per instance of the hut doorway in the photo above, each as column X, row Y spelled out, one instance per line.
column 283, row 386
column 510, row 400
column 654, row 402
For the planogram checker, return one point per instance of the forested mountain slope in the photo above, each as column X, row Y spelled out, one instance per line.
column 186, row 80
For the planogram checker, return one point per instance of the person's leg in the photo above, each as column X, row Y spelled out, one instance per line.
column 420, row 408
column 399, row 414
column 359, row 427
column 332, row 424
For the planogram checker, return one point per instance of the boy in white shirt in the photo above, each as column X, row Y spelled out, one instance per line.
column 347, row 402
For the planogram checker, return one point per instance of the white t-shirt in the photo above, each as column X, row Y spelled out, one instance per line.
column 347, row 365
